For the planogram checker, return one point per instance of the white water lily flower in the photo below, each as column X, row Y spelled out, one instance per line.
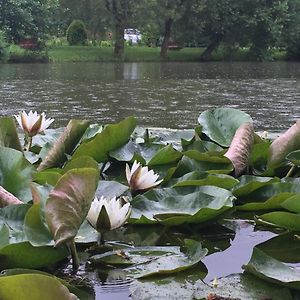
column 108, row 214
column 33, row 123
column 140, row 178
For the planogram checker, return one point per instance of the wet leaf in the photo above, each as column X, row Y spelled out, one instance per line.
column 35, row 227
column 64, row 145
column 198, row 179
column 166, row 155
column 110, row 189
column 272, row 270
column 8, row 134
column 48, row 176
column 175, row 206
column 13, row 217
column 24, row 255
column 82, row 292
column 284, row 247
column 220, row 124
column 69, row 202
column 210, row 162
column 110, row 138
column 281, row 219
column 80, row 162
column 249, row 184
column 34, row 287
column 269, row 196
column 15, row 173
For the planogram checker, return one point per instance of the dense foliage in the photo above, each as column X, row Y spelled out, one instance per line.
column 257, row 25
column 182, row 191
column 76, row 33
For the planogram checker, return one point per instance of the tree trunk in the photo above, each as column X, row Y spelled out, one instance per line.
column 206, row 55
column 119, row 39
column 167, row 36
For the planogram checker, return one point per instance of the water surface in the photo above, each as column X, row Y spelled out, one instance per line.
column 168, row 95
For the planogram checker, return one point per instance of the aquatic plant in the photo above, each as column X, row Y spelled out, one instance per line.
column 179, row 184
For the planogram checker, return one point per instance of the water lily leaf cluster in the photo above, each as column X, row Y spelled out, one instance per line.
column 185, row 179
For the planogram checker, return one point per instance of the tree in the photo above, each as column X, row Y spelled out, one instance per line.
column 291, row 30
column 20, row 18
column 120, row 10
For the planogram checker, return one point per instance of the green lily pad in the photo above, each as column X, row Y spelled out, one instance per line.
column 110, row 189
column 65, row 144
column 166, row 155
column 267, row 197
column 8, row 134
column 210, row 162
column 69, row 203
column 35, row 227
column 175, row 206
column 149, row 261
column 132, row 151
column 272, row 270
column 13, row 217
column 284, row 247
column 24, row 255
column 15, row 173
column 249, row 184
column 220, row 124
column 110, row 138
column 292, row 204
column 81, row 291
column 281, row 219
column 198, row 179
column 48, row 176
column 294, row 157
column 34, row 287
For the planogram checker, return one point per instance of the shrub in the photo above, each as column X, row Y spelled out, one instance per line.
column 76, row 33
column 3, row 47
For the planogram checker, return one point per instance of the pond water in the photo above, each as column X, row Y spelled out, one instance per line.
column 169, row 95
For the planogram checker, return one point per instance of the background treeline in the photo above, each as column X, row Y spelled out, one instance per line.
column 260, row 26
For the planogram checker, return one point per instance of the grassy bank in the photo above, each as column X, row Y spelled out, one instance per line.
column 132, row 54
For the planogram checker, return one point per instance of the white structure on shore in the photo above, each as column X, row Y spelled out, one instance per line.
column 132, row 35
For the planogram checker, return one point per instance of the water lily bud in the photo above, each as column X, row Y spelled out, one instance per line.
column 33, row 123
column 108, row 214
column 140, row 178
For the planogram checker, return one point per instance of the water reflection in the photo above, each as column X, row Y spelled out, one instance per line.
column 158, row 94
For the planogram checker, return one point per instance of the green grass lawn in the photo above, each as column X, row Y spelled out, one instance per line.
column 132, row 54
column 145, row 54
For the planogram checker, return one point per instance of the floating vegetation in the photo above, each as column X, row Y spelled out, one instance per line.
column 148, row 210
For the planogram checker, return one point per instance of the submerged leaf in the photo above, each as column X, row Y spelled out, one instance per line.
column 69, row 202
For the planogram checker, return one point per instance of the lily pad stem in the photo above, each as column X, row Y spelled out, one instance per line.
column 290, row 172
column 101, row 239
column 74, row 254
column 28, row 142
